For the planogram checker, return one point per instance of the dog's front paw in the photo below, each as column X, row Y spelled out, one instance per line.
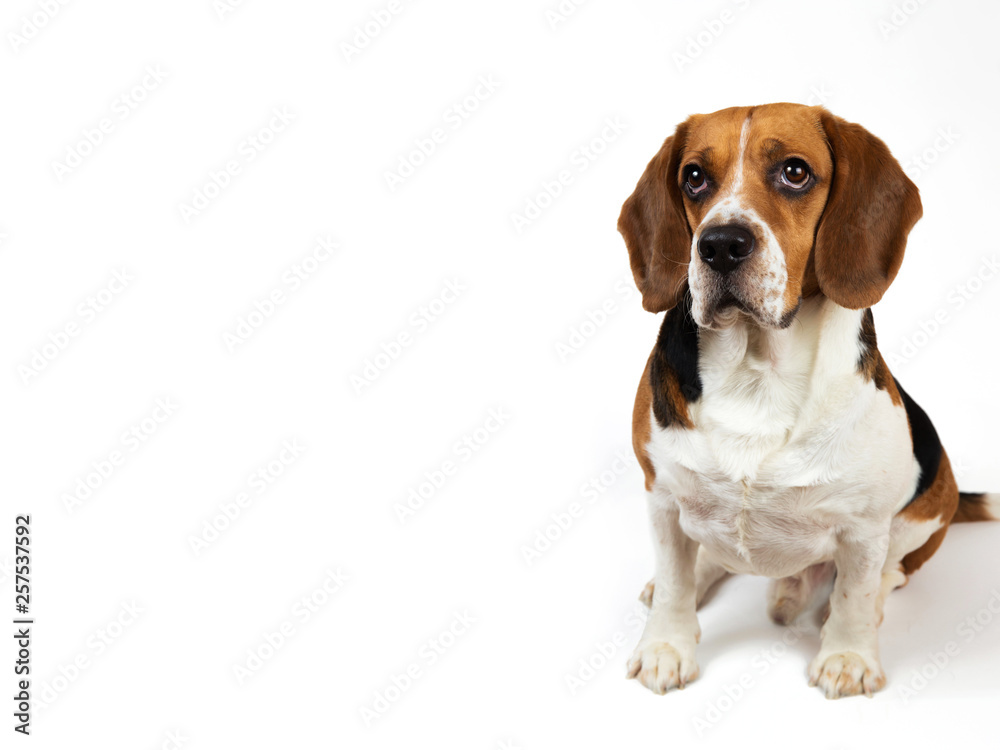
column 660, row 667
column 846, row 673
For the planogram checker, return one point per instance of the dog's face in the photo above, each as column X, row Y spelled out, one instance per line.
column 754, row 188
column 757, row 207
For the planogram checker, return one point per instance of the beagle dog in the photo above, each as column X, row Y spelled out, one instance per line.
column 773, row 438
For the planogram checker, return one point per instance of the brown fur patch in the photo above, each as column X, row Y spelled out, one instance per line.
column 872, row 206
column 668, row 396
column 655, row 231
column 885, row 381
column 641, row 425
column 940, row 500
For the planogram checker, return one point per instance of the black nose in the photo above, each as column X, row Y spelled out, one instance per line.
column 723, row 248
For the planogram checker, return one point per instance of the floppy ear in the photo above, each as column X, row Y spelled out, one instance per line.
column 655, row 229
column 871, row 207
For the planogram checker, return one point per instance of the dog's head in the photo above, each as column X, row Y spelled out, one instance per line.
column 757, row 207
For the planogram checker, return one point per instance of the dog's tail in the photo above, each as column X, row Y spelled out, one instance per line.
column 977, row 506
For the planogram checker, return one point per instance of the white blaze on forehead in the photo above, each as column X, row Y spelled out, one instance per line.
column 765, row 276
column 737, row 184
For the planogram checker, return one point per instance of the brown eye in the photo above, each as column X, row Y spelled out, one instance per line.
column 694, row 179
column 795, row 173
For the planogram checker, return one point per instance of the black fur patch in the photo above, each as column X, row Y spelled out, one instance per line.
column 870, row 363
column 976, row 498
column 869, row 345
column 926, row 444
column 675, row 359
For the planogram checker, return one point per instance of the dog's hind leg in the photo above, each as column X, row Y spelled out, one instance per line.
column 788, row 597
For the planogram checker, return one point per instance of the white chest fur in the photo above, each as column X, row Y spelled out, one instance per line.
column 790, row 447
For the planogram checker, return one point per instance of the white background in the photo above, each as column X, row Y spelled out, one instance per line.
column 907, row 75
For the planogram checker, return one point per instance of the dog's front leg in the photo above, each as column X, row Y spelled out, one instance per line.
column 664, row 657
column 848, row 662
